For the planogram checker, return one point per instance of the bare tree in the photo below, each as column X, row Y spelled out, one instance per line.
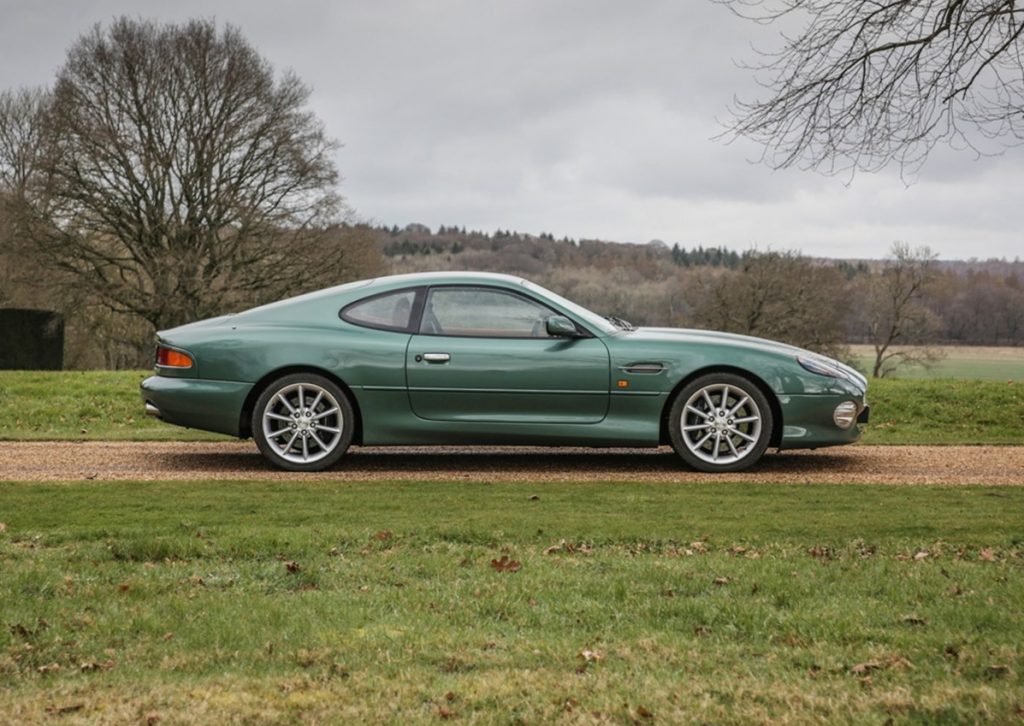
column 898, row 325
column 174, row 176
column 863, row 83
column 780, row 295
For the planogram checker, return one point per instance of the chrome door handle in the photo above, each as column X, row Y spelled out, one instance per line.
column 436, row 357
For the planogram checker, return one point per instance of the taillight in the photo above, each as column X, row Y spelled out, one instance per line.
column 172, row 358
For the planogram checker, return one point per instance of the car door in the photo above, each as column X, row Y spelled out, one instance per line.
column 483, row 354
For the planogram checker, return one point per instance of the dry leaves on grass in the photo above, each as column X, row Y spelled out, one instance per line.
column 893, row 661
column 3, row 527
column 292, row 566
column 506, row 565
column 568, row 548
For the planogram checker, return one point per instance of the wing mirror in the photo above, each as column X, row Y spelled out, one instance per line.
column 560, row 326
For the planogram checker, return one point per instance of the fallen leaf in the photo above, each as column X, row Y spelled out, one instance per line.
column 914, row 620
column 590, row 656
column 450, row 696
column 534, row 498
column 643, row 712
column 699, row 547
column 921, row 555
column 152, row 718
column 385, row 535
column 445, row 712
column 124, row 587
column 48, row 668
column 292, row 566
column 3, row 527
column 506, row 565
column 62, row 710
column 737, row 551
column 987, row 554
column 866, row 667
column 998, row 671
column 821, row 553
column 721, row 580
column 898, row 661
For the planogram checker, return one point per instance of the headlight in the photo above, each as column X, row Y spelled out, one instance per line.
column 820, row 367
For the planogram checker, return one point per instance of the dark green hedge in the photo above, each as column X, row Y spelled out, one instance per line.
column 31, row 340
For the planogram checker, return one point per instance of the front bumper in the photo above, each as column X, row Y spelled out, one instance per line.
column 196, row 403
column 808, row 423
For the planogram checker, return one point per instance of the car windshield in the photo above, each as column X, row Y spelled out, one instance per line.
column 591, row 318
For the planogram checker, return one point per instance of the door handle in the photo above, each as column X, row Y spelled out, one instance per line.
column 436, row 357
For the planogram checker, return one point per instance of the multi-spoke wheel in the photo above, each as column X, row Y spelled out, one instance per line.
column 720, row 422
column 303, row 422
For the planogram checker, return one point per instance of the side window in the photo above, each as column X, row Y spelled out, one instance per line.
column 481, row 312
column 391, row 311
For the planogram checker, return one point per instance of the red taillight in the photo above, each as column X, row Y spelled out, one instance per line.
column 172, row 358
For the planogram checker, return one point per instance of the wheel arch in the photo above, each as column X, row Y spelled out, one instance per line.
column 773, row 401
column 245, row 418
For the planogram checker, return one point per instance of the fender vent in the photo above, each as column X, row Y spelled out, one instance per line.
column 642, row 368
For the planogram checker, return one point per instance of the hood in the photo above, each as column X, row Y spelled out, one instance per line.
column 689, row 335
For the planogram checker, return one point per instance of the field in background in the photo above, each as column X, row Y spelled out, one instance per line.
column 959, row 361
column 383, row 602
column 105, row 405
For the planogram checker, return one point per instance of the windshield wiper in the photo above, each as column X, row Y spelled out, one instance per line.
column 620, row 323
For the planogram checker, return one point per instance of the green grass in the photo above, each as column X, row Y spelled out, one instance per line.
column 300, row 601
column 945, row 412
column 81, row 406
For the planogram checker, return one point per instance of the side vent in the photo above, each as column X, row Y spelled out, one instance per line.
column 643, row 368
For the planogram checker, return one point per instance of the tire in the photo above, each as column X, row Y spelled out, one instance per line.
column 303, row 422
column 713, row 437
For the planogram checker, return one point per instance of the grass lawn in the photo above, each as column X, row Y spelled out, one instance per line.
column 330, row 602
column 105, row 405
column 958, row 361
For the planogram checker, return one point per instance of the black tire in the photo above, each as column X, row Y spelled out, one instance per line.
column 739, row 439
column 313, row 440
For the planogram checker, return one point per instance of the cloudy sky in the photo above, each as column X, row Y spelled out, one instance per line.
column 586, row 118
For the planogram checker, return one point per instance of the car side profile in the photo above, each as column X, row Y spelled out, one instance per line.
column 460, row 358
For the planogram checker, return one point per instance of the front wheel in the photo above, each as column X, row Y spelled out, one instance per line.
column 303, row 422
column 720, row 422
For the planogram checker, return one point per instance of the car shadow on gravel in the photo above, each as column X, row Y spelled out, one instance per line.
column 433, row 461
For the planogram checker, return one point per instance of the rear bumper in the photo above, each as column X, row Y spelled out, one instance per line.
column 196, row 403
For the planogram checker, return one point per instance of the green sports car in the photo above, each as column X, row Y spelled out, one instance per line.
column 475, row 358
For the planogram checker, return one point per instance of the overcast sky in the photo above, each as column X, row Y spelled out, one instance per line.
column 585, row 118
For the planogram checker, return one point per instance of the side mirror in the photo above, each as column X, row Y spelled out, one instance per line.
column 560, row 326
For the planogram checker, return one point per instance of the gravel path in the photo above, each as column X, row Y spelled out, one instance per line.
column 75, row 461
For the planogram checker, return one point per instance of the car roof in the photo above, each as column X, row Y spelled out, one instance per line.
column 443, row 278
column 350, row 291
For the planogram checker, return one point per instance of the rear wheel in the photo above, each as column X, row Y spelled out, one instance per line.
column 720, row 422
column 303, row 422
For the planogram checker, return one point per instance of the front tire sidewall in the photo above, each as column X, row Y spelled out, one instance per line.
column 735, row 381
column 268, row 450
